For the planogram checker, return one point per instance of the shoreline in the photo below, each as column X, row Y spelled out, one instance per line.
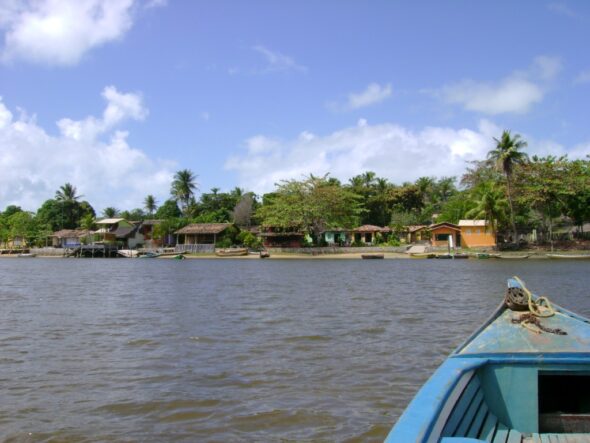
column 532, row 255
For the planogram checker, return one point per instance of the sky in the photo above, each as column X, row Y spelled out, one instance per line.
column 115, row 96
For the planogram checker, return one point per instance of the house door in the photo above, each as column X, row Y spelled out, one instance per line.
column 458, row 240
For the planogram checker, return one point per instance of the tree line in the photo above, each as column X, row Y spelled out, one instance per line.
column 513, row 191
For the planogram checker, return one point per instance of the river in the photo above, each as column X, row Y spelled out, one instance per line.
column 238, row 350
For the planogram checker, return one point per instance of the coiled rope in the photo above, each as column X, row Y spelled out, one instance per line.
column 521, row 299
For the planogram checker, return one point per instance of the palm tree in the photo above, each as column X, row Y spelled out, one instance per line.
column 507, row 155
column 184, row 186
column 490, row 205
column 67, row 198
column 67, row 194
column 150, row 204
column 109, row 212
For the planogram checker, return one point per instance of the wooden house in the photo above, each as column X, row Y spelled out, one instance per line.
column 367, row 233
column 417, row 234
column 69, row 238
column 337, row 237
column 118, row 230
column 273, row 237
column 146, row 229
column 440, row 233
column 476, row 234
column 199, row 237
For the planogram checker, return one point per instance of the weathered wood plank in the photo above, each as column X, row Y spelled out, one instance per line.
column 461, row 407
column 489, row 428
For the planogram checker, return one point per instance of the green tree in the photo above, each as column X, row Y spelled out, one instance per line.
column 184, row 186
column 313, row 204
column 168, row 210
column 507, row 155
column 110, row 212
column 150, row 205
column 490, row 205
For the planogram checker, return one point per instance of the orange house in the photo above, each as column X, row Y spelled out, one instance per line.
column 441, row 232
column 476, row 234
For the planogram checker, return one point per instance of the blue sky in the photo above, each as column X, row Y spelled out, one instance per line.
column 114, row 96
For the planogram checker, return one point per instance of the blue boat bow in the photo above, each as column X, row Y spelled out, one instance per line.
column 506, row 384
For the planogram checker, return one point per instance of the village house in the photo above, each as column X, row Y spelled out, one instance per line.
column 367, row 234
column 337, row 237
column 440, row 233
column 120, row 231
column 147, row 230
column 199, row 237
column 476, row 234
column 282, row 238
column 417, row 234
column 69, row 238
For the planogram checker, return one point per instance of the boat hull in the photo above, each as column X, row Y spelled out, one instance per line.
column 231, row 252
column 506, row 383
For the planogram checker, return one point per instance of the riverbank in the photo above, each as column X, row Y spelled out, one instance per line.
column 536, row 254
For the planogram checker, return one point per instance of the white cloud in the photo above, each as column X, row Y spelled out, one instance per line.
column 390, row 150
column 516, row 93
column 277, row 61
column 109, row 172
column 373, row 94
column 60, row 32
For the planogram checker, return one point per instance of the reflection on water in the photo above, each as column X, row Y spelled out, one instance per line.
column 238, row 350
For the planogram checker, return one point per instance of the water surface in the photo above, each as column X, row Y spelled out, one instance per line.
column 238, row 350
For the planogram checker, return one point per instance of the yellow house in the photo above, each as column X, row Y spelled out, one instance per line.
column 476, row 234
column 440, row 233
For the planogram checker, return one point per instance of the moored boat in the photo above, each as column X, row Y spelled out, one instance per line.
column 27, row 255
column 422, row 255
column 372, row 256
column 569, row 256
column 264, row 254
column 150, row 255
column 231, row 252
column 128, row 253
column 451, row 256
column 513, row 257
column 521, row 377
column 486, row 255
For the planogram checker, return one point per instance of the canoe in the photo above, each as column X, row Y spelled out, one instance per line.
column 231, row 252
column 422, row 255
column 569, row 257
column 150, row 255
column 486, row 255
column 372, row 256
column 451, row 256
column 513, row 257
column 518, row 378
column 27, row 255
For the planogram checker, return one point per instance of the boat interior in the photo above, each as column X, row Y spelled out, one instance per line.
column 522, row 403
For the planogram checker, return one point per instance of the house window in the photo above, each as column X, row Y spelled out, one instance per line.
column 468, row 231
column 442, row 237
column 478, row 231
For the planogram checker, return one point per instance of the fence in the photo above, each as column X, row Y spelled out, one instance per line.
column 195, row 249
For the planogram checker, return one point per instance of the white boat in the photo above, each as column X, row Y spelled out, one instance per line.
column 128, row 253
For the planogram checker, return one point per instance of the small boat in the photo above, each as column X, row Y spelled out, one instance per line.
column 569, row 256
column 451, row 256
column 27, row 255
column 179, row 257
column 264, row 254
column 523, row 376
column 372, row 256
column 128, row 253
column 513, row 257
column 422, row 255
column 231, row 252
column 486, row 255
column 150, row 255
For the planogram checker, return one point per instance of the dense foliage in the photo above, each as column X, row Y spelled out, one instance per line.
column 513, row 192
